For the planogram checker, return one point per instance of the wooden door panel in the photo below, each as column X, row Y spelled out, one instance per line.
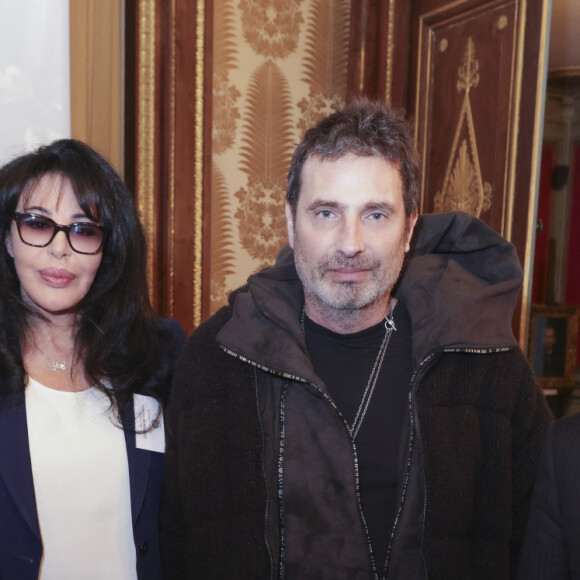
column 467, row 96
column 476, row 85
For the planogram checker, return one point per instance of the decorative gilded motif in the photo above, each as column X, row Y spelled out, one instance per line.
column 390, row 52
column 171, row 152
column 198, row 163
column 463, row 187
column 325, row 61
column 146, row 126
column 271, row 27
column 225, row 95
column 265, row 155
column 469, row 71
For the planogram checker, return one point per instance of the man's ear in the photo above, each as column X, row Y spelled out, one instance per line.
column 290, row 224
column 8, row 242
column 411, row 221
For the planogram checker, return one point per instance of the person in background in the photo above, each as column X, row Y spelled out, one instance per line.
column 550, row 548
column 348, row 415
column 84, row 370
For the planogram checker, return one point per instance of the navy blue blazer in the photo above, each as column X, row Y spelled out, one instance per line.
column 20, row 540
column 550, row 549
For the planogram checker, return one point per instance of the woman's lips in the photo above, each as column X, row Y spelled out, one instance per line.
column 57, row 277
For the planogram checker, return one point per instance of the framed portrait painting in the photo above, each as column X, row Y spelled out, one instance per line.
column 553, row 342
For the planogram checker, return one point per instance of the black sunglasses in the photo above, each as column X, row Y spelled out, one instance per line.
column 39, row 231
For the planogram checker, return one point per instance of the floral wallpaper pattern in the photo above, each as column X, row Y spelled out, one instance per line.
column 278, row 68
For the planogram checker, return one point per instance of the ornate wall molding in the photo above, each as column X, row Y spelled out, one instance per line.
column 170, row 140
column 146, row 102
column 479, row 145
column 199, row 145
column 390, row 52
column 463, row 186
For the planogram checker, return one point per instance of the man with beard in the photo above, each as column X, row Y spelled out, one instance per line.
column 340, row 420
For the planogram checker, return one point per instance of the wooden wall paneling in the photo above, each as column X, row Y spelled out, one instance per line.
column 168, row 128
column 398, row 58
column 148, row 151
column 130, row 95
column 533, row 74
column 367, row 49
column 185, row 273
column 463, row 119
column 379, row 50
column 477, row 137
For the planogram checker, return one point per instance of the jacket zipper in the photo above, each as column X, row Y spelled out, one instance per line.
column 414, row 422
column 266, row 541
column 298, row 379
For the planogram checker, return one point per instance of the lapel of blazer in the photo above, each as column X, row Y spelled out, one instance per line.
column 139, row 462
column 15, row 465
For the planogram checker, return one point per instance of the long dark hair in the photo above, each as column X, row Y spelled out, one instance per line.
column 117, row 337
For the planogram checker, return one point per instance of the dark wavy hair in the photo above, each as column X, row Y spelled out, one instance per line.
column 117, row 337
column 367, row 129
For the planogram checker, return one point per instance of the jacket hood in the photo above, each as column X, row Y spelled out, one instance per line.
column 460, row 284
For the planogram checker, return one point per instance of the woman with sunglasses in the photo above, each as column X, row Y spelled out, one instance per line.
column 84, row 370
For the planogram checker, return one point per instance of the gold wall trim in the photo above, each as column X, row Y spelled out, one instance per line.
column 390, row 51
column 418, row 103
column 535, row 176
column 444, row 8
column 172, row 137
column 198, row 148
column 508, row 214
column 146, row 127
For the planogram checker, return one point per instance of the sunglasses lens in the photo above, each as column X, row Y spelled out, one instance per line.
column 85, row 238
column 35, row 230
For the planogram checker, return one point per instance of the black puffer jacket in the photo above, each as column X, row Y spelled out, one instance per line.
column 261, row 470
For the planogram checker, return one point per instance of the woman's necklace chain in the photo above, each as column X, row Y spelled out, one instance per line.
column 370, row 388
column 56, row 365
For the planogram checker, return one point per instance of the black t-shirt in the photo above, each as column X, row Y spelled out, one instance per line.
column 344, row 362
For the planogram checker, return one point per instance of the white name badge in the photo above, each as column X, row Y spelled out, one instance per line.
column 146, row 419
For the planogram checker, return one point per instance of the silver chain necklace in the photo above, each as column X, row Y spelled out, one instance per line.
column 56, row 366
column 370, row 388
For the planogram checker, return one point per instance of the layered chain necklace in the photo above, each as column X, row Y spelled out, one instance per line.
column 370, row 387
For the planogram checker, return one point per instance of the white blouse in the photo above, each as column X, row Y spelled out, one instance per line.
column 81, row 484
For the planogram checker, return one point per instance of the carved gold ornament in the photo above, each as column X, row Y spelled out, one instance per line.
column 463, row 187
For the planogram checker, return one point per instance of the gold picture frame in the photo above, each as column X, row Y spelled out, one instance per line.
column 553, row 344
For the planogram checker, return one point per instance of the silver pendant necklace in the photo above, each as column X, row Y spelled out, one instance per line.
column 370, row 388
column 56, row 365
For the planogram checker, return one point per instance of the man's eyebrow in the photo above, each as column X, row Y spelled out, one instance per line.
column 380, row 206
column 318, row 203
column 386, row 207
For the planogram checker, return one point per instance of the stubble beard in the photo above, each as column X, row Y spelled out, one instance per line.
column 349, row 302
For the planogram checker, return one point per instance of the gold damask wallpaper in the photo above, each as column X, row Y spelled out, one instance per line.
column 278, row 67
